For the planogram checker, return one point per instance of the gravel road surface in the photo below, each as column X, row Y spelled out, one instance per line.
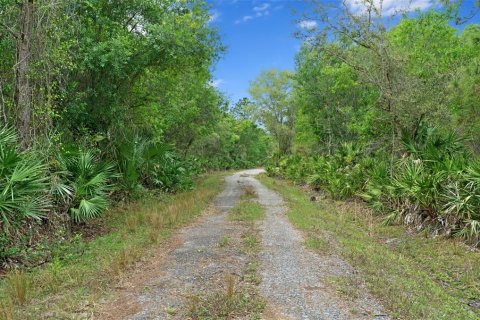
column 296, row 282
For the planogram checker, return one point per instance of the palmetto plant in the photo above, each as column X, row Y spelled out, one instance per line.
column 23, row 183
column 461, row 200
column 144, row 163
column 86, row 185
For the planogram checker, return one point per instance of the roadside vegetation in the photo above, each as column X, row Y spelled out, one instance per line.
column 414, row 276
column 383, row 111
column 104, row 103
column 82, row 270
column 109, row 115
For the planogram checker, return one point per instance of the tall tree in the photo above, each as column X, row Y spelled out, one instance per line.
column 273, row 107
column 22, row 83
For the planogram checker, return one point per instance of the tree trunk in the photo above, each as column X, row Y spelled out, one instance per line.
column 22, row 88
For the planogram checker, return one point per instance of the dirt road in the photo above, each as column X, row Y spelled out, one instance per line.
column 296, row 283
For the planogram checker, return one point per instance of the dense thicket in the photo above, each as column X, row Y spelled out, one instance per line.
column 388, row 109
column 102, row 99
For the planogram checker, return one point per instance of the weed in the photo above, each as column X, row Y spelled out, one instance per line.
column 246, row 211
column 141, row 217
column 17, row 283
column 251, row 241
column 124, row 259
column 155, row 220
column 228, row 304
column 131, row 222
column 317, row 243
column 347, row 286
column 153, row 235
column 194, row 303
column 55, row 270
column 230, row 280
column 171, row 311
column 224, row 242
column 249, row 192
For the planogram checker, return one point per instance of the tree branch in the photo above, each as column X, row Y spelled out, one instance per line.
column 12, row 32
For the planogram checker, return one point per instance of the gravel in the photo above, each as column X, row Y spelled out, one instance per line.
column 198, row 265
column 295, row 281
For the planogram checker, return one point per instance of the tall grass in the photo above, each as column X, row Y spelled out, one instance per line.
column 17, row 287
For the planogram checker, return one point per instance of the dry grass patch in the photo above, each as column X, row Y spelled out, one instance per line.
column 131, row 221
column 6, row 310
column 249, row 192
column 17, row 287
column 126, row 257
column 233, row 301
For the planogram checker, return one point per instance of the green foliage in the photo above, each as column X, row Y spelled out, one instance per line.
column 148, row 164
column 340, row 175
column 171, row 173
column 23, row 183
column 435, row 184
column 87, row 182
column 236, row 143
column 273, row 107
column 127, row 82
column 387, row 113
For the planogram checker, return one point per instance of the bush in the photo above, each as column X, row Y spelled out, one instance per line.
column 23, row 182
column 155, row 165
column 435, row 182
column 85, row 183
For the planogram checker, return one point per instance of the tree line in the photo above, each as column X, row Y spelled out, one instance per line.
column 103, row 100
column 383, row 106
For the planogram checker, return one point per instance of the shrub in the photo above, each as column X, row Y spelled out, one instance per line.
column 435, row 182
column 86, row 184
column 154, row 165
column 23, row 182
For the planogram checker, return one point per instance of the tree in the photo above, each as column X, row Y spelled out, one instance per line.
column 243, row 109
column 273, row 106
column 408, row 69
column 23, row 92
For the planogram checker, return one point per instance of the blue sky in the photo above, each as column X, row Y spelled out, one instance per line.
column 259, row 35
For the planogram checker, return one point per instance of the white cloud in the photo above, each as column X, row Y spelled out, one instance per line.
column 244, row 19
column 390, row 7
column 214, row 15
column 261, row 8
column 216, row 83
column 308, row 24
column 258, row 11
column 262, row 13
